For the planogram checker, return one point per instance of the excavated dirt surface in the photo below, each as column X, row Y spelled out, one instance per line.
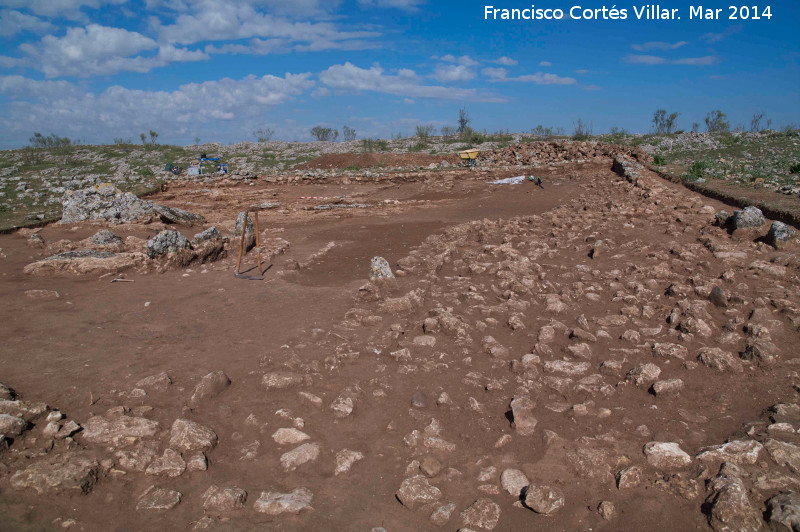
column 556, row 298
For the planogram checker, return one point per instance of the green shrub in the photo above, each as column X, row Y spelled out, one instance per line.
column 795, row 168
column 697, row 170
column 658, row 160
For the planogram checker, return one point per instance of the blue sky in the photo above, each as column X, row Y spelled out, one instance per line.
column 218, row 70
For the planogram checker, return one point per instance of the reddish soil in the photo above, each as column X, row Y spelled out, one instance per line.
column 485, row 252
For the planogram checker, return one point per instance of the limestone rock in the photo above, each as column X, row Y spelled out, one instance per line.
column 666, row 455
column 783, row 511
column 187, row 435
column 73, row 473
column 543, row 499
column 607, row 510
column 345, row 460
column 27, row 411
column 308, row 452
column 160, row 381
column 279, row 380
column 169, row 464
column 137, row 458
column 166, row 242
column 289, row 435
column 416, row 492
column 630, row 477
column 218, row 500
column 275, row 503
column 118, row 430
column 12, row 426
column 441, row 514
column 379, row 269
column 728, row 506
column 668, row 350
column 514, row 481
column 737, row 452
column 667, row 387
column 522, row 408
column 482, row 514
column 779, row 233
column 85, row 262
column 716, row 358
column 104, row 237
column 784, row 454
column 643, row 374
column 159, row 499
column 748, row 218
column 210, row 386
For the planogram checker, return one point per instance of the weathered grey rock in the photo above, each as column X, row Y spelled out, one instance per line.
column 160, row 381
column 289, row 435
column 275, row 503
column 118, row 430
column 104, row 237
column 55, row 473
column 718, row 297
column 69, row 429
column 748, row 218
column 187, row 435
column 12, row 426
column 345, row 460
column 379, row 269
column 779, row 233
column 783, row 511
column 543, row 499
column 716, row 358
column 728, row 506
column 6, row 393
column 607, row 510
column 165, row 243
column 722, row 218
column 197, row 462
column 416, row 492
column 345, row 402
column 431, row 466
column 522, row 408
column 630, row 477
column 482, row 514
column 278, row 380
column 212, row 233
column 666, row 455
column 137, row 458
column 85, row 262
column 514, row 481
column 159, row 499
column 210, row 386
column 441, row 514
column 419, row 399
column 669, row 350
column 643, row 374
column 308, row 452
column 667, row 387
column 218, row 500
column 108, row 203
column 784, row 454
column 250, row 234
column 762, row 351
column 737, row 452
column 169, row 464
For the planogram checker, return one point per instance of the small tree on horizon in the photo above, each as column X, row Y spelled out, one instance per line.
column 717, row 122
column 664, row 123
column 463, row 120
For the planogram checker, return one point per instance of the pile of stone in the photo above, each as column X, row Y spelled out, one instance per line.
column 109, row 204
column 541, row 152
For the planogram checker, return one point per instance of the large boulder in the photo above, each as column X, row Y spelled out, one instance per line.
column 109, row 204
column 748, row 218
column 166, row 242
column 779, row 233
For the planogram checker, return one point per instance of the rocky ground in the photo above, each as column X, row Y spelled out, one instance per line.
column 611, row 351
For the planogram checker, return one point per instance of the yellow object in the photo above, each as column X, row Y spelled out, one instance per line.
column 467, row 155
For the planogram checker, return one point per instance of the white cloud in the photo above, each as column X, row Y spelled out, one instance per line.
column 658, row 45
column 582, row 71
column 657, row 60
column 506, row 61
column 13, row 22
column 320, row 92
column 464, row 60
column 117, row 111
column 100, row 50
column 227, row 21
column 409, row 101
column 495, row 73
column 712, row 38
column 449, row 73
column 348, row 77
column 545, row 63
column 540, row 78
column 69, row 9
column 406, row 5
